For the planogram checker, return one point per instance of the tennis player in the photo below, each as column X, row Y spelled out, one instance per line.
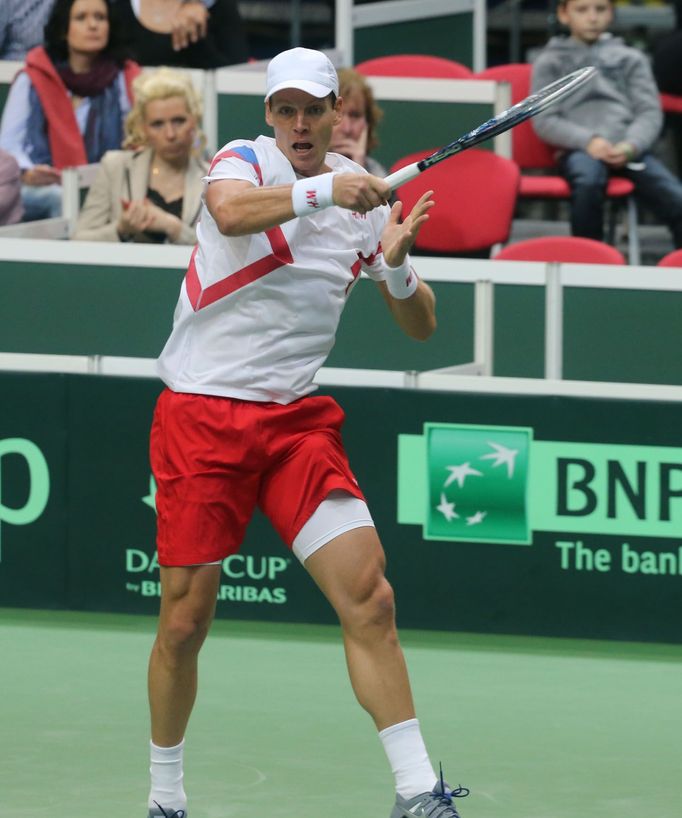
column 285, row 232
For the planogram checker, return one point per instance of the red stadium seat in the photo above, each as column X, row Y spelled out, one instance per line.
column 671, row 103
column 673, row 259
column 565, row 249
column 532, row 154
column 414, row 65
column 472, row 212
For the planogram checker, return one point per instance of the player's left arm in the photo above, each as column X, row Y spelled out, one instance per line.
column 416, row 315
column 410, row 300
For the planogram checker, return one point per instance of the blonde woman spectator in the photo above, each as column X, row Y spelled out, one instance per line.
column 151, row 193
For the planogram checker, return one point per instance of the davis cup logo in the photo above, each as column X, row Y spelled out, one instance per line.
column 477, row 483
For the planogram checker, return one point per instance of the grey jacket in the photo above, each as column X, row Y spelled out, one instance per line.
column 620, row 103
column 125, row 175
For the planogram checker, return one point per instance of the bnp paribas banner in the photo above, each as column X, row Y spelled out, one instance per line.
column 507, row 514
column 496, row 484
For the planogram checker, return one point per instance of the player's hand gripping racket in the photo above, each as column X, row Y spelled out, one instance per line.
column 528, row 107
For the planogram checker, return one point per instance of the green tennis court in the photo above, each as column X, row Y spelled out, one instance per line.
column 537, row 728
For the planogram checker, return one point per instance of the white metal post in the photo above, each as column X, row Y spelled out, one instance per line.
column 344, row 31
column 479, row 35
column 554, row 330
column 503, row 99
column 70, row 197
column 634, row 255
column 210, row 123
column 484, row 308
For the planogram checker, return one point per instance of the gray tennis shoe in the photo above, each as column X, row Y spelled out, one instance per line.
column 434, row 804
column 159, row 812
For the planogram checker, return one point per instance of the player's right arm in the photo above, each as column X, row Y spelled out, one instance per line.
column 240, row 208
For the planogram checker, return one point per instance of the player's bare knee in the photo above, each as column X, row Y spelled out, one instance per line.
column 376, row 611
column 182, row 632
column 383, row 604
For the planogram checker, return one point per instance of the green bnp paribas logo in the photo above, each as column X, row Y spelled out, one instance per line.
column 498, row 484
column 476, row 482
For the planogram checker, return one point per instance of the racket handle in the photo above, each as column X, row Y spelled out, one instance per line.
column 403, row 175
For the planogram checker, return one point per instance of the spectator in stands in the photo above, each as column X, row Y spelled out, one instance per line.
column 607, row 126
column 22, row 24
column 218, row 37
column 356, row 135
column 152, row 193
column 11, row 209
column 68, row 106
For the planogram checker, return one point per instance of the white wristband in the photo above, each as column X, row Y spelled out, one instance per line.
column 312, row 194
column 401, row 281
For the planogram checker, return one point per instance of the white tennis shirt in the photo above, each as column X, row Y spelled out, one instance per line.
column 257, row 315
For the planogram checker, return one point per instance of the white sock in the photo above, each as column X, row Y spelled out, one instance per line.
column 166, row 773
column 408, row 758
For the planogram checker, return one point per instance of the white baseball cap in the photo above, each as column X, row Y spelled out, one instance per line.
column 303, row 68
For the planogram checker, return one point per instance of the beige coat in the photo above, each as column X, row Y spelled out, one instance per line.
column 125, row 175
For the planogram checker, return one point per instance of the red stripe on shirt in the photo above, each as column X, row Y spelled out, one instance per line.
column 200, row 298
column 371, row 258
column 192, row 282
column 355, row 271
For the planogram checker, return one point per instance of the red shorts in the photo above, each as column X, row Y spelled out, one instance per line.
column 215, row 459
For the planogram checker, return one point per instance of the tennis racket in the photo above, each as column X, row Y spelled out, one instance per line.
column 528, row 107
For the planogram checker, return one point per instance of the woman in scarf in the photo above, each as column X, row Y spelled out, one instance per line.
column 153, row 192
column 68, row 106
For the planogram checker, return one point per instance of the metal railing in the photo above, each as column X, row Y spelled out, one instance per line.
column 484, row 275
